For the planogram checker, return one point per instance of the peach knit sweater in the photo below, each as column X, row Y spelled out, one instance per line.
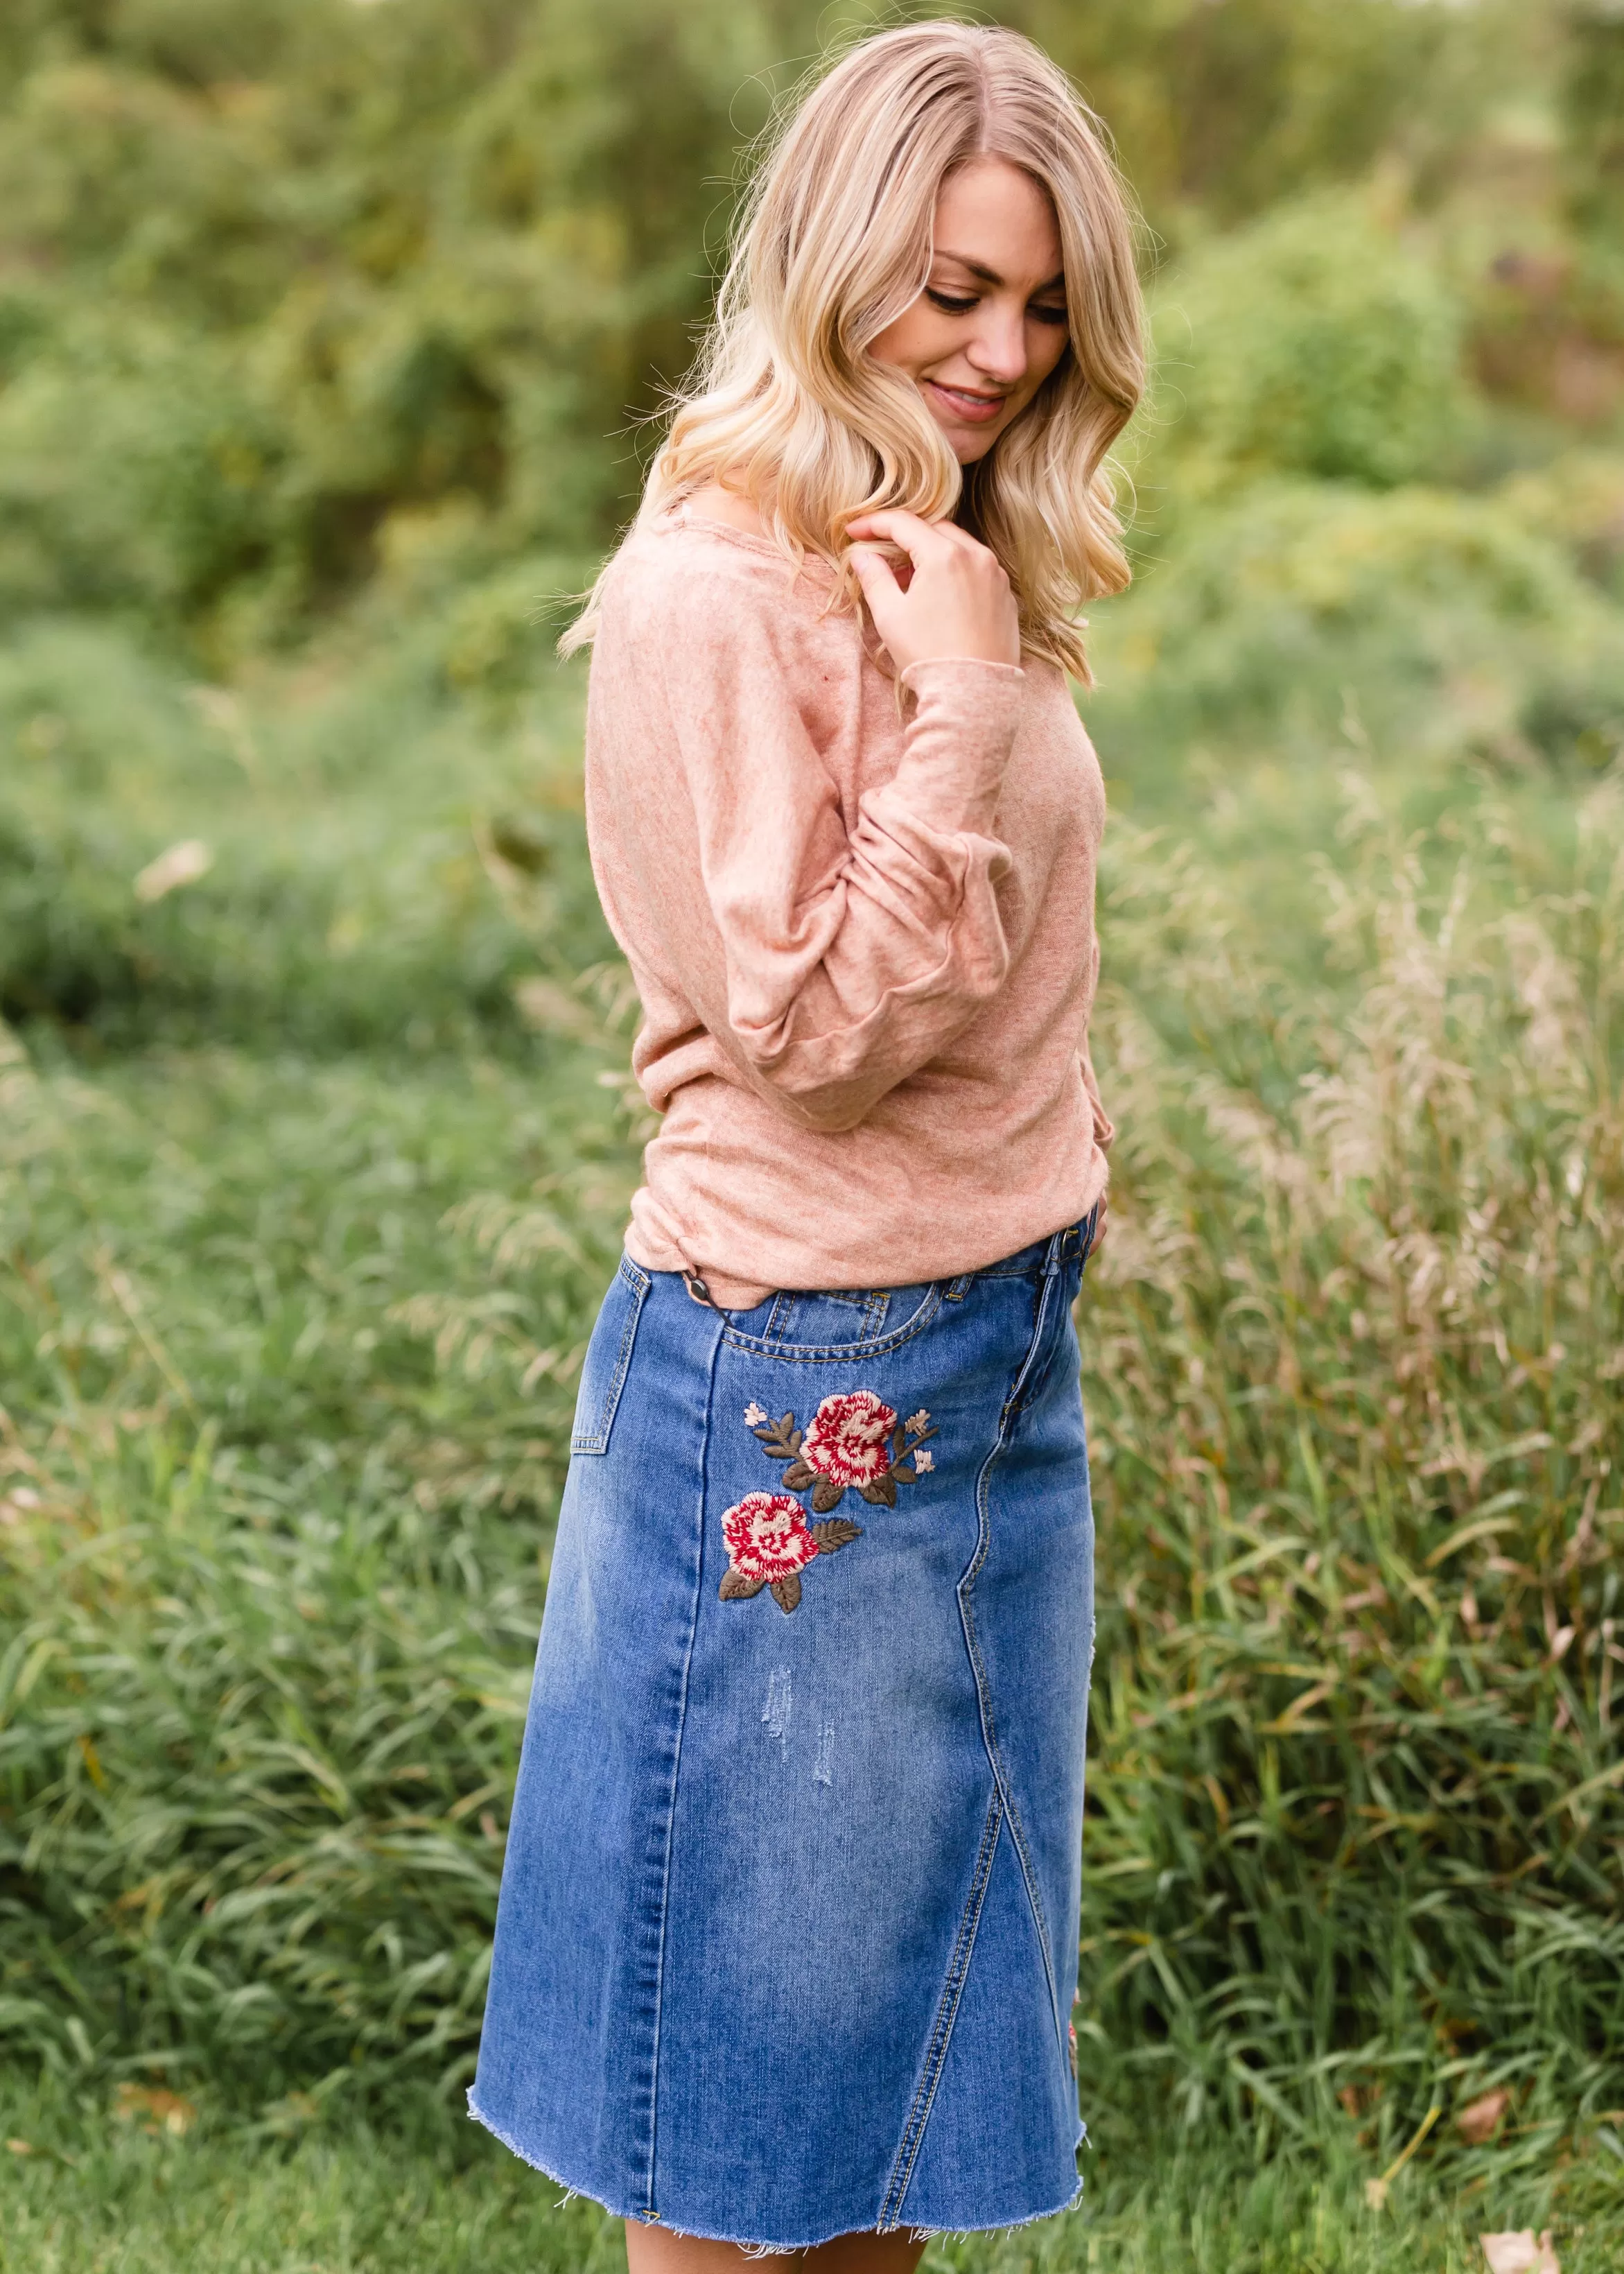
column 861, row 930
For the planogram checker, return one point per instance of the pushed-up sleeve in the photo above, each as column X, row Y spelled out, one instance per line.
column 852, row 955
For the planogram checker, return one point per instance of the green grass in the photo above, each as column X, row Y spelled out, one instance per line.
column 314, row 1164
column 296, row 1295
column 96, row 2196
column 312, row 1170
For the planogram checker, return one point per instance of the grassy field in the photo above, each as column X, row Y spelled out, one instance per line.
column 319, row 325
column 301, row 1271
column 129, row 2198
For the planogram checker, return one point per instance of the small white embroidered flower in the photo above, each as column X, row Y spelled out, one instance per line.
column 924, row 1460
column 753, row 1415
column 917, row 1421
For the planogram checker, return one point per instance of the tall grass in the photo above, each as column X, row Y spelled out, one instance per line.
column 269, row 1588
column 1355, row 1372
column 291, row 1350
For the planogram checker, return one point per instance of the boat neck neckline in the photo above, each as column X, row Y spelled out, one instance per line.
column 683, row 517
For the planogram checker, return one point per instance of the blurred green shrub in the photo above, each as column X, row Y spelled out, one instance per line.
column 137, row 473
column 272, row 277
column 344, row 898
column 1311, row 342
column 1447, row 621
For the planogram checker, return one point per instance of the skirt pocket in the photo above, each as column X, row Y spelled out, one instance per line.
column 820, row 1326
column 608, row 1359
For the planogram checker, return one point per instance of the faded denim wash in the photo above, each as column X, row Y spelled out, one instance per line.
column 787, row 1936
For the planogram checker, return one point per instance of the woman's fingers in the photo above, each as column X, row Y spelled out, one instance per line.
column 880, row 589
column 875, row 574
column 947, row 596
column 892, row 526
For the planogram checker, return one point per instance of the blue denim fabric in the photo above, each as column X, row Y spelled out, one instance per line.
column 787, row 1936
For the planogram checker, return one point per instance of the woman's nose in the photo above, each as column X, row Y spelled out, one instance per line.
column 999, row 349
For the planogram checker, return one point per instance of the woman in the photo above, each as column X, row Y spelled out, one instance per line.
column 786, row 1946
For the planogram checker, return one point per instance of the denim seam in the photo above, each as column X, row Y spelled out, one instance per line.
column 989, row 1735
column 824, row 1354
column 947, row 2013
column 650, row 2211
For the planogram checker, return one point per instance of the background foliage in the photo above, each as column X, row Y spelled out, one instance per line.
column 324, row 333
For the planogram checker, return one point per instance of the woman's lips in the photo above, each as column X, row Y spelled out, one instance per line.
column 978, row 409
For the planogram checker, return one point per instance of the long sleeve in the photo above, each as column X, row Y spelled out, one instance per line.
column 853, row 954
column 860, row 917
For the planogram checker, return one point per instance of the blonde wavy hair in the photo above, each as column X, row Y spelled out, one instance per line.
column 787, row 407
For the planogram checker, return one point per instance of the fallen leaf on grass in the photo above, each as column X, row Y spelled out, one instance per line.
column 153, row 2109
column 1521, row 2253
column 20, row 2146
column 1480, row 2120
column 179, row 864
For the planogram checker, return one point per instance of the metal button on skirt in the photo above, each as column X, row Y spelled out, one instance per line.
column 787, row 1938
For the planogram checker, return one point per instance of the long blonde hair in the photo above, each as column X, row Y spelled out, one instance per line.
column 786, row 405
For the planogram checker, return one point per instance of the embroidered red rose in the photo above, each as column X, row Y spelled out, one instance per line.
column 846, row 1439
column 767, row 1536
column 847, row 1444
column 769, row 1545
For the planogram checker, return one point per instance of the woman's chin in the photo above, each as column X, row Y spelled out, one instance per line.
column 966, row 443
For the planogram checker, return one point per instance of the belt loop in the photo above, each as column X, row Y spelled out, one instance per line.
column 1057, row 1249
column 1086, row 1230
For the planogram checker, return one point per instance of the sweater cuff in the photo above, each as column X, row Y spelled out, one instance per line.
column 972, row 665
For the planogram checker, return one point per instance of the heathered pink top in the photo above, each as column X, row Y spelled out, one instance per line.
column 861, row 928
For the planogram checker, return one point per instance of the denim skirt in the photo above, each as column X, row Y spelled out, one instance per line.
column 786, row 1945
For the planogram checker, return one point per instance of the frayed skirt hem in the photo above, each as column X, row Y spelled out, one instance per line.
column 602, row 2197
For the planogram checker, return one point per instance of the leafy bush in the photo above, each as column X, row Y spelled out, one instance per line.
column 325, row 914
column 137, row 473
column 1444, row 620
column 1311, row 342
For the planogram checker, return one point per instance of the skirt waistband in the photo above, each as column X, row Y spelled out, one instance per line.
column 1047, row 1256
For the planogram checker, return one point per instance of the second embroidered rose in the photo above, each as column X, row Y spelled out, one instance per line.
column 767, row 1536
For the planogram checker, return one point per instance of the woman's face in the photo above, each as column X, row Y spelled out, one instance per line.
column 990, row 324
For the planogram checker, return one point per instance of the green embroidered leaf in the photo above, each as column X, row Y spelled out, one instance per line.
column 786, row 1592
column 881, row 1494
column 799, row 1475
column 838, row 1532
column 780, row 1440
column 826, row 1495
column 901, row 1469
column 737, row 1587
